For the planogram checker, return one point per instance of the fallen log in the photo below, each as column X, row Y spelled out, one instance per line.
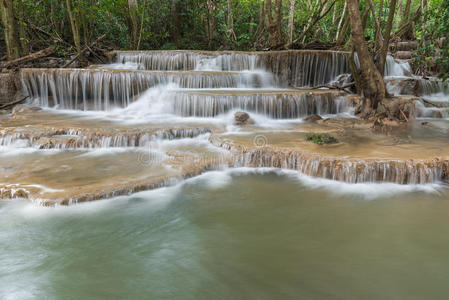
column 29, row 58
column 85, row 49
column 13, row 103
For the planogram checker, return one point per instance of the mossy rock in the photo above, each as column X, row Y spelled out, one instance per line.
column 321, row 138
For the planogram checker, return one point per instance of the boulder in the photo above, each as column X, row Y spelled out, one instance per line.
column 242, row 118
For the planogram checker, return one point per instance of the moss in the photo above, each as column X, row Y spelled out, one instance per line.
column 321, row 138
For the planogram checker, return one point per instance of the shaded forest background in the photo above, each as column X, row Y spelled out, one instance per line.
column 72, row 25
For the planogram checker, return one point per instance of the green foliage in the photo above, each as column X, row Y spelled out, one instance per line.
column 433, row 34
column 203, row 24
column 321, row 138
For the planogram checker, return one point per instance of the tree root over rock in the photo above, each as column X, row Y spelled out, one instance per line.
column 391, row 112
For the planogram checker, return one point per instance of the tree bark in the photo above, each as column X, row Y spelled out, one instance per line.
column 372, row 83
column 273, row 23
column 291, row 19
column 22, row 33
column 11, row 35
column 378, row 34
column 406, row 13
column 387, row 34
column 74, row 23
column 230, row 22
column 341, row 21
column 342, row 34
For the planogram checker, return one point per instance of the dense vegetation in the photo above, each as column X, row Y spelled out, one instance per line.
column 211, row 24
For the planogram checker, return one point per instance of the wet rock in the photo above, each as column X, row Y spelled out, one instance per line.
column 242, row 118
column 402, row 86
column 8, row 88
column 404, row 46
column 313, row 118
column 25, row 109
column 403, row 55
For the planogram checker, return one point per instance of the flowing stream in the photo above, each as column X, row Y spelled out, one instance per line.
column 243, row 234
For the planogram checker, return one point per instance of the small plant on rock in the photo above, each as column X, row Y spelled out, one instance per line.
column 321, row 138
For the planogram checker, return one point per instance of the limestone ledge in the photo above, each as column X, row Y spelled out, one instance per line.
column 348, row 170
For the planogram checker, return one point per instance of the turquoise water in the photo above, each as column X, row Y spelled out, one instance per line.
column 233, row 235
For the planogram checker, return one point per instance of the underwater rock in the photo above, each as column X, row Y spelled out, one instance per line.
column 312, row 118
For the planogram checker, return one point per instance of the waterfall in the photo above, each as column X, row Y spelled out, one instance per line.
column 188, row 61
column 299, row 68
column 346, row 170
column 273, row 105
column 104, row 89
column 397, row 68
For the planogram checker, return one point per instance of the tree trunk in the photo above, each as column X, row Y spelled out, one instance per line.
column 230, row 22
column 176, row 24
column 74, row 23
column 273, row 23
column 342, row 34
column 9, row 23
column 341, row 21
column 378, row 34
column 133, row 23
column 291, row 19
column 371, row 81
column 387, row 34
column 405, row 13
column 22, row 34
column 210, row 22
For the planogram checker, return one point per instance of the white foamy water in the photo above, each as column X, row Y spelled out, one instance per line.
column 396, row 68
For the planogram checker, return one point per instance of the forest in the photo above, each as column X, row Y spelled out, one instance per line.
column 71, row 25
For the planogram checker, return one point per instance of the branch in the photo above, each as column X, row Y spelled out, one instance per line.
column 29, row 58
column 13, row 103
column 85, row 49
column 311, row 26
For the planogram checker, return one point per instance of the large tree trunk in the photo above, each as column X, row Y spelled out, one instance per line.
column 386, row 40
column 9, row 23
column 273, row 23
column 372, row 83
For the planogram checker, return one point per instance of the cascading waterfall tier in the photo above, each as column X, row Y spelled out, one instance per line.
column 340, row 169
column 82, row 138
column 298, row 68
column 283, row 104
column 105, row 89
